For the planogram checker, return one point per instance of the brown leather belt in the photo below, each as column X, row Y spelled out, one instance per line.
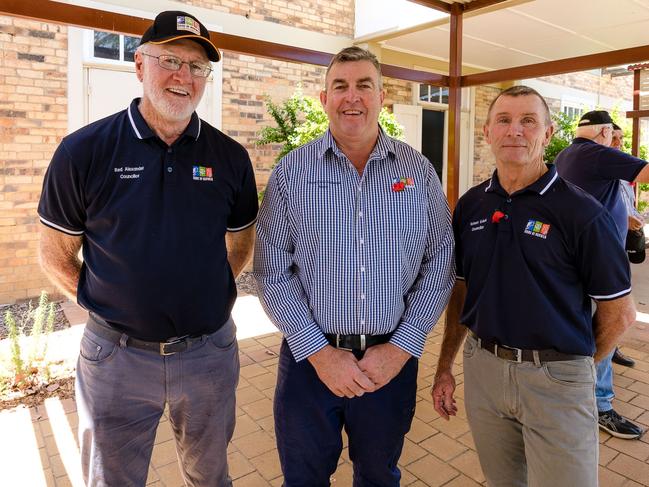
column 356, row 342
column 514, row 354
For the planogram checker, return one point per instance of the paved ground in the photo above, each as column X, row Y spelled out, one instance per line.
column 38, row 446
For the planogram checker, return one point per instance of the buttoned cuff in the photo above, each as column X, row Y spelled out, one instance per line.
column 409, row 338
column 306, row 342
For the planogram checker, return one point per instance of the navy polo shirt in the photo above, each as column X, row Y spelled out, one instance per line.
column 153, row 219
column 597, row 169
column 530, row 277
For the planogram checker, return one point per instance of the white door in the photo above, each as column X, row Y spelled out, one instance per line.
column 410, row 116
column 111, row 90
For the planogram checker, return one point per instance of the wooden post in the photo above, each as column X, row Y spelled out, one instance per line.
column 454, row 106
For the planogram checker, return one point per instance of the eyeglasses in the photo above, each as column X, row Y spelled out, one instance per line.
column 172, row 63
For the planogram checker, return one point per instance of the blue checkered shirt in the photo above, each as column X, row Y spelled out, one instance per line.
column 338, row 252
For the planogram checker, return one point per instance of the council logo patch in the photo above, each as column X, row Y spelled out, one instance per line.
column 187, row 23
column 537, row 229
column 202, row 173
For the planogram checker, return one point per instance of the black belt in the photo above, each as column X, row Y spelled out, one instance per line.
column 170, row 347
column 520, row 355
column 356, row 342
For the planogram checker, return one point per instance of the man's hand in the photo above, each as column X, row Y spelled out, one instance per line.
column 381, row 363
column 442, row 392
column 635, row 223
column 339, row 371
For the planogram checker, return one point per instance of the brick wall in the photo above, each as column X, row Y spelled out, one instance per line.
column 483, row 160
column 618, row 87
column 33, row 119
column 332, row 17
column 247, row 80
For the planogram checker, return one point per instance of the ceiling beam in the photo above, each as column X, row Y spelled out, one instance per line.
column 561, row 66
column 435, row 4
column 414, row 75
column 478, row 4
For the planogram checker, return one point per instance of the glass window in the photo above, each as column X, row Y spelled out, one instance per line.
column 423, row 93
column 106, row 45
column 433, row 94
column 115, row 46
column 130, row 45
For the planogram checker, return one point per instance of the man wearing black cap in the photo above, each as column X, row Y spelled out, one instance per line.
column 635, row 236
column 591, row 164
column 162, row 205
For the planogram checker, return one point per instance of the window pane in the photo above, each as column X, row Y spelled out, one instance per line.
column 444, row 93
column 130, row 45
column 423, row 92
column 434, row 93
column 106, row 45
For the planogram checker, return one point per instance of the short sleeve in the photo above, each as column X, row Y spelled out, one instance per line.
column 615, row 164
column 602, row 261
column 62, row 203
column 246, row 206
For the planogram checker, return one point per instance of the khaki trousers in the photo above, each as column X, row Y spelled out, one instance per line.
column 534, row 424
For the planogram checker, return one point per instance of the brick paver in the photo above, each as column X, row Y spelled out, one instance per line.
column 436, row 452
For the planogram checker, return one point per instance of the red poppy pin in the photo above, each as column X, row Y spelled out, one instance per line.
column 399, row 184
column 497, row 216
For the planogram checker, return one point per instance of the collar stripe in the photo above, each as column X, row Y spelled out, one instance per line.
column 130, row 117
column 554, row 178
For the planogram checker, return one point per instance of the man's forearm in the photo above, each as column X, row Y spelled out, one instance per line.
column 59, row 260
column 454, row 331
column 611, row 320
column 240, row 246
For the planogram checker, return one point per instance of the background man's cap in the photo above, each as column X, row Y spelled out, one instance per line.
column 616, row 126
column 596, row 117
column 172, row 25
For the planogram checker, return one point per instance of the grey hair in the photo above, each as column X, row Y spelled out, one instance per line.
column 522, row 90
column 353, row 54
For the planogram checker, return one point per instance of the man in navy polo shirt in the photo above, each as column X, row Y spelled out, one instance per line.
column 163, row 206
column 592, row 165
column 527, row 248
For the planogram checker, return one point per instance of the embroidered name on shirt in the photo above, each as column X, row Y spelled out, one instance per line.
column 187, row 23
column 537, row 229
column 477, row 224
column 129, row 172
column 201, row 173
column 399, row 184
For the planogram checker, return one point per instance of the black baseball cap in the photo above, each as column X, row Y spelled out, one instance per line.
column 173, row 24
column 616, row 126
column 596, row 117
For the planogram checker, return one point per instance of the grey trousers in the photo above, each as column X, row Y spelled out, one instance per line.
column 121, row 394
column 533, row 424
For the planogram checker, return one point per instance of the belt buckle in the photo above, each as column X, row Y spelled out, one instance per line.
column 339, row 346
column 518, row 353
column 176, row 341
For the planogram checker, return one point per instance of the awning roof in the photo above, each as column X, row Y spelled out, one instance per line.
column 522, row 32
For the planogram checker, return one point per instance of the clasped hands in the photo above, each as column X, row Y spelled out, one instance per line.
column 346, row 376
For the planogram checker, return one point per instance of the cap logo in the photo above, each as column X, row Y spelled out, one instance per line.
column 188, row 24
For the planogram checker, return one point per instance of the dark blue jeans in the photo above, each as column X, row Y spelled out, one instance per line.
column 309, row 419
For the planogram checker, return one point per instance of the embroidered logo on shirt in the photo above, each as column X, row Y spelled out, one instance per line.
column 537, row 229
column 399, row 184
column 202, row 173
column 187, row 23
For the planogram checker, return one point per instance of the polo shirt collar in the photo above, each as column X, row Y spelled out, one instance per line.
column 583, row 140
column 384, row 146
column 142, row 130
column 540, row 186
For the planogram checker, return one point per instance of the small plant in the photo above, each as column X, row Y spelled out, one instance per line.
column 28, row 351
